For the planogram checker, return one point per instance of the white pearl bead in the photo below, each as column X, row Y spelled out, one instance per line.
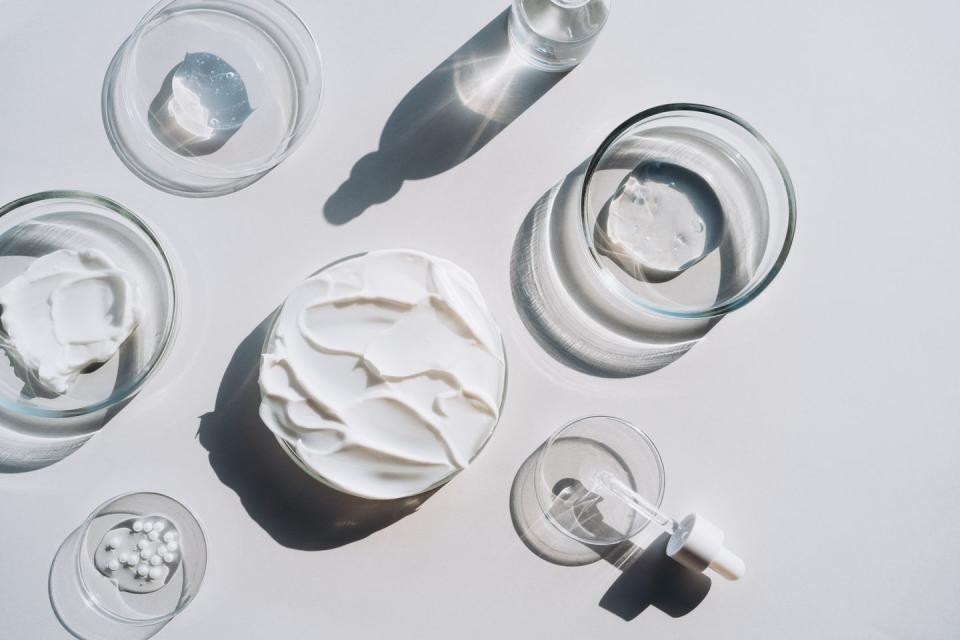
column 153, row 535
column 113, row 565
column 145, row 554
column 159, row 525
column 172, row 546
column 169, row 536
column 142, row 570
column 138, row 526
column 142, row 544
column 155, row 560
column 148, row 526
column 115, row 542
column 162, row 550
column 169, row 558
column 155, row 573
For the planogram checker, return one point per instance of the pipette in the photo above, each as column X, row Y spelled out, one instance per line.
column 695, row 542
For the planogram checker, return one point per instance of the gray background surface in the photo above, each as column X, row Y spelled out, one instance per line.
column 819, row 425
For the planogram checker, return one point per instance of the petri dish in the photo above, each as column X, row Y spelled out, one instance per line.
column 687, row 212
column 567, row 471
column 38, row 427
column 207, row 96
column 137, row 561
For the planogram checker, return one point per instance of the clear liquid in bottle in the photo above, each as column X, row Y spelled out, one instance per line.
column 556, row 35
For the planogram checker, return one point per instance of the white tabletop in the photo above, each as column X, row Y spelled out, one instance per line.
column 819, row 425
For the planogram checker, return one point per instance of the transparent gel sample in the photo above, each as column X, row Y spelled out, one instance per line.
column 662, row 220
column 203, row 102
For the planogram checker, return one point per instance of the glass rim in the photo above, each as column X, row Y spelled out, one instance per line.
column 557, row 435
column 88, row 594
column 313, row 473
column 292, row 139
column 521, row 10
column 742, row 298
column 134, row 388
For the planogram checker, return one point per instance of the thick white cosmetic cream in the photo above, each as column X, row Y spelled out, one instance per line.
column 68, row 311
column 384, row 373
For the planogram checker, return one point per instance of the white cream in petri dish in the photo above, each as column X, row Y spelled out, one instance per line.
column 90, row 308
column 383, row 374
column 68, row 311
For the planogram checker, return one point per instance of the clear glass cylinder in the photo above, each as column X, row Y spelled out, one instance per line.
column 555, row 35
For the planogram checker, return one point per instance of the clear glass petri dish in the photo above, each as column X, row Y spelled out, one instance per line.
column 291, row 451
column 567, row 478
column 684, row 214
column 687, row 212
column 207, row 96
column 40, row 224
column 95, row 587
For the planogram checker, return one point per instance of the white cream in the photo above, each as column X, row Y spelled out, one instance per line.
column 384, row 373
column 68, row 311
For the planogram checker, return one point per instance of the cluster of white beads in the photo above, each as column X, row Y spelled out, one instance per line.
column 140, row 556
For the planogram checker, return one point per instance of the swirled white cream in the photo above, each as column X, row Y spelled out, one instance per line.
column 68, row 311
column 384, row 373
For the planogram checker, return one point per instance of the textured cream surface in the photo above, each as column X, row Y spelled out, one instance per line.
column 68, row 310
column 384, row 373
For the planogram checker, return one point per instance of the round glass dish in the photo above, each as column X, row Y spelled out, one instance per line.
column 290, row 448
column 40, row 224
column 94, row 588
column 207, row 96
column 687, row 211
column 567, row 478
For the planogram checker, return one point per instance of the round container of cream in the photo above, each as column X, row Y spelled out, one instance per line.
column 383, row 374
column 88, row 307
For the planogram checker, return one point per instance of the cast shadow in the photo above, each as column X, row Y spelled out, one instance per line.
column 447, row 117
column 296, row 510
column 649, row 577
column 557, row 303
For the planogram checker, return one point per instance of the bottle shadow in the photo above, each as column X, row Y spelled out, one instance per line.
column 556, row 306
column 447, row 117
column 296, row 510
column 649, row 577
